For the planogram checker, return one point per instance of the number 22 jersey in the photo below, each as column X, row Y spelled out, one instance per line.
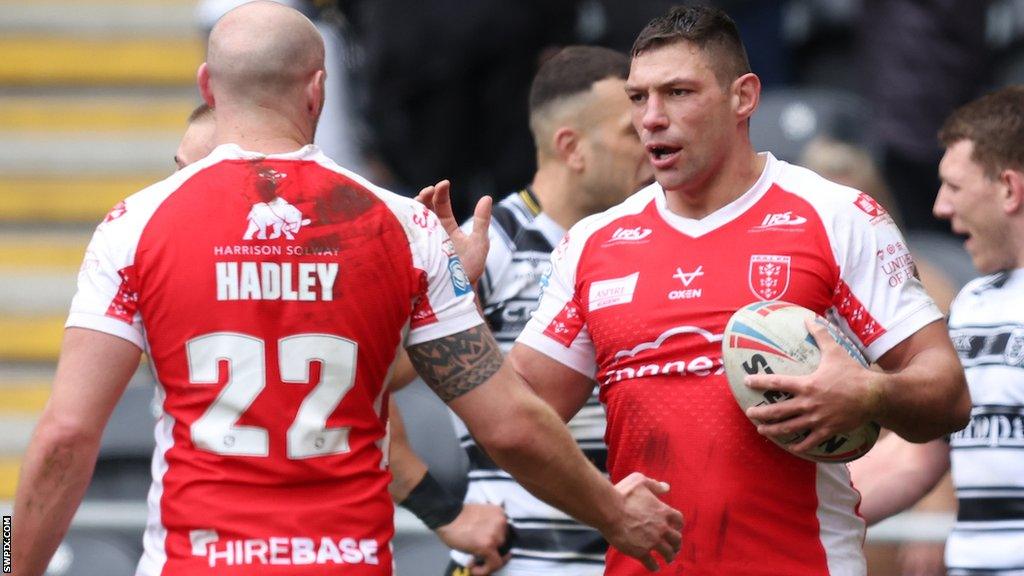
column 638, row 299
column 271, row 295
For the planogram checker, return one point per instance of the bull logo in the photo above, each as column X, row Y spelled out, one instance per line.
column 277, row 216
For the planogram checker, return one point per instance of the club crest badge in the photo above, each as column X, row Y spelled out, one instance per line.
column 769, row 276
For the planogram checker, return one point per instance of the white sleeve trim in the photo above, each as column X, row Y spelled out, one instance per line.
column 451, row 325
column 107, row 325
column 574, row 358
column 903, row 328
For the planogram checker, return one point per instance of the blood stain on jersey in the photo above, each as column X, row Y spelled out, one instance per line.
column 267, row 182
column 343, row 202
column 326, row 245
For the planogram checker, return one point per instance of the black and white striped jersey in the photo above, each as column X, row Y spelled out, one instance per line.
column 545, row 540
column 986, row 324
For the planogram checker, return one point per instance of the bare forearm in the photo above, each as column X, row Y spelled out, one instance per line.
column 518, row 430
column 407, row 469
column 926, row 399
column 54, row 477
column 93, row 370
column 896, row 474
column 536, row 448
column 403, row 373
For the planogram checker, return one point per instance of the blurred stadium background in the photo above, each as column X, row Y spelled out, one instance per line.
column 94, row 95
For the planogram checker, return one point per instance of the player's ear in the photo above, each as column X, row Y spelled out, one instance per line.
column 1013, row 194
column 566, row 144
column 203, row 79
column 744, row 94
column 316, row 92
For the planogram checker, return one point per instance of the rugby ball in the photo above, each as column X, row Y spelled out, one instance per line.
column 770, row 338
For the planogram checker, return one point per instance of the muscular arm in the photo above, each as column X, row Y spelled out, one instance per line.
column 93, row 370
column 923, row 391
column 896, row 474
column 525, row 437
column 563, row 388
column 922, row 395
column 466, row 370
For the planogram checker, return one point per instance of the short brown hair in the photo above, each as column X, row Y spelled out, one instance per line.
column 995, row 124
column 200, row 112
column 575, row 70
column 707, row 27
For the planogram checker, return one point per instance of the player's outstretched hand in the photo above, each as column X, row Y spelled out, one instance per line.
column 840, row 396
column 479, row 530
column 648, row 524
column 472, row 248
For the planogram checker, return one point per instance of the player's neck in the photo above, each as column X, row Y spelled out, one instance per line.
column 255, row 131
column 732, row 178
column 553, row 189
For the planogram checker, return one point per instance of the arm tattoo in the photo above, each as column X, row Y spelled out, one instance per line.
column 456, row 364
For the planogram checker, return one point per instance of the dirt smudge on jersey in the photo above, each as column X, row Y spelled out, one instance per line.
column 657, row 452
column 688, row 551
column 723, row 529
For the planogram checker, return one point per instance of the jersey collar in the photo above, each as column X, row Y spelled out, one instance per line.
column 699, row 227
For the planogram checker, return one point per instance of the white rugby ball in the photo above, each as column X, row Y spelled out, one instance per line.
column 770, row 338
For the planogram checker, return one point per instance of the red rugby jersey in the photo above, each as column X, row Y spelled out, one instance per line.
column 271, row 294
column 639, row 297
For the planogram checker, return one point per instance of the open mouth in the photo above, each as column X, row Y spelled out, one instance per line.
column 662, row 155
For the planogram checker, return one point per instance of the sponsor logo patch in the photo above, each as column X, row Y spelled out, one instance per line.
column 781, row 220
column 871, row 207
column 282, row 550
column 896, row 263
column 626, row 366
column 612, row 292
column 687, row 278
column 271, row 220
column 992, row 426
column 632, row 235
column 460, row 282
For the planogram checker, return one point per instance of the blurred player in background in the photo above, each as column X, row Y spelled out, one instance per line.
column 589, row 158
column 197, row 142
column 271, row 290
column 639, row 297
column 982, row 196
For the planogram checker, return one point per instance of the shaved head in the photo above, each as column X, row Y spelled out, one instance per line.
column 262, row 52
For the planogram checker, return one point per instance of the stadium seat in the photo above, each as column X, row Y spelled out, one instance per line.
column 93, row 553
column 787, row 119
